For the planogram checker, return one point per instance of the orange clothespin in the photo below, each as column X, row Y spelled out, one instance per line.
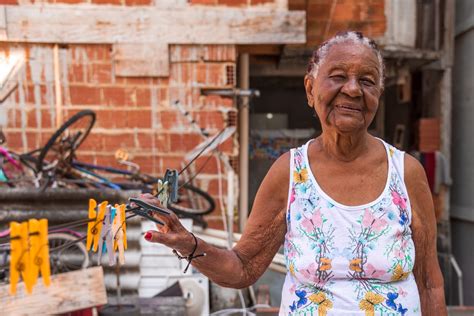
column 39, row 251
column 19, row 265
column 90, row 225
column 94, row 227
column 119, row 232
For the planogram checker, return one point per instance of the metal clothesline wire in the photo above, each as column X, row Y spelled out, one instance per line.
column 81, row 222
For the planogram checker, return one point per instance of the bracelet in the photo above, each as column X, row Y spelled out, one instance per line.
column 191, row 256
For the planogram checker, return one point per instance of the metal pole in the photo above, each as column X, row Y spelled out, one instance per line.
column 244, row 142
column 57, row 87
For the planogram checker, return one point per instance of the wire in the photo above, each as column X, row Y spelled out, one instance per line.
column 202, row 150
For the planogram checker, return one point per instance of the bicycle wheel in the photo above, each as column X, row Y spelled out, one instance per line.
column 65, row 141
column 70, row 258
column 192, row 201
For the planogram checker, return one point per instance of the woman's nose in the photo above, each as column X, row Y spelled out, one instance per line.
column 352, row 88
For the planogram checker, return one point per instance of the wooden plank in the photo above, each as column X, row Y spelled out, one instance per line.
column 275, row 50
column 3, row 23
column 196, row 25
column 68, row 292
column 142, row 60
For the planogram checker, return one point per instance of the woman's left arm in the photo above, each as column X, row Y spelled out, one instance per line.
column 426, row 271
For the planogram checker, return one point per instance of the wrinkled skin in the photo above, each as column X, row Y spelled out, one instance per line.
column 349, row 164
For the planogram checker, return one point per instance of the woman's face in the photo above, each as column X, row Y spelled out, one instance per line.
column 345, row 94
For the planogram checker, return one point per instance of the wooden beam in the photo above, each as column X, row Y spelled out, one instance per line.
column 68, row 292
column 3, row 23
column 150, row 60
column 196, row 25
column 275, row 50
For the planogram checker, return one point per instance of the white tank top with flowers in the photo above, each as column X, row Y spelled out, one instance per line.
column 348, row 260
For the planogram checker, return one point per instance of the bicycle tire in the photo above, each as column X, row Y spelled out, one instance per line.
column 73, row 120
column 180, row 208
column 58, row 266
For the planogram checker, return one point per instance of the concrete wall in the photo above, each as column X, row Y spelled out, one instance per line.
column 462, row 197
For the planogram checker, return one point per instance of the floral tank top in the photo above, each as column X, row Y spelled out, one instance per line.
column 348, row 260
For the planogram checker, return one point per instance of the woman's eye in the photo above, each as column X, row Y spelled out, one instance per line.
column 338, row 77
column 367, row 81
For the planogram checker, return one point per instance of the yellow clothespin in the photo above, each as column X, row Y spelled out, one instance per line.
column 39, row 251
column 94, row 227
column 90, row 225
column 18, row 254
column 119, row 232
column 124, row 224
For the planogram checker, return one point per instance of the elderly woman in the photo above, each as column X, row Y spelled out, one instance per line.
column 354, row 214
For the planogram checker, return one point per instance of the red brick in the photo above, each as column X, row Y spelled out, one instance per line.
column 112, row 118
column 99, row 52
column 7, row 2
column 211, row 186
column 204, row 2
column 220, row 53
column 168, row 119
column 201, row 73
column 138, row 2
column 101, row 73
column 297, row 5
column 43, row 115
column 215, row 100
column 227, row 146
column 254, row 2
column 209, row 119
column 14, row 140
column 318, row 11
column 14, row 118
column 377, row 29
column 84, row 95
column 210, row 165
column 108, row 161
column 143, row 97
column 233, row 3
column 148, row 164
column 117, row 2
column 116, row 141
column 93, row 142
column 134, row 81
column 76, row 73
column 171, row 162
column 139, row 119
column 114, row 96
column 70, row 1
column 184, row 142
column 215, row 74
column 344, row 12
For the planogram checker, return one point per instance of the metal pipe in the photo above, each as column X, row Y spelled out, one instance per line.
column 458, row 271
column 57, row 88
column 244, row 142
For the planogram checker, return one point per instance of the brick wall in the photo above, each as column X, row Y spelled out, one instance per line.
column 132, row 113
column 138, row 113
column 324, row 18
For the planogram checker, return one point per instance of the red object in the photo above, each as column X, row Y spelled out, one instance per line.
column 82, row 312
column 430, row 168
column 148, row 235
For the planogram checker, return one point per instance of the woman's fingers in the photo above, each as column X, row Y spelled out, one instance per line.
column 155, row 236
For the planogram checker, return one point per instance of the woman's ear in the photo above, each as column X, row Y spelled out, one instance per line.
column 308, row 86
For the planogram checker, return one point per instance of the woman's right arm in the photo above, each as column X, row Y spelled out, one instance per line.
column 261, row 239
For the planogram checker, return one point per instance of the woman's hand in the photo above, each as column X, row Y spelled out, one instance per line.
column 172, row 234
